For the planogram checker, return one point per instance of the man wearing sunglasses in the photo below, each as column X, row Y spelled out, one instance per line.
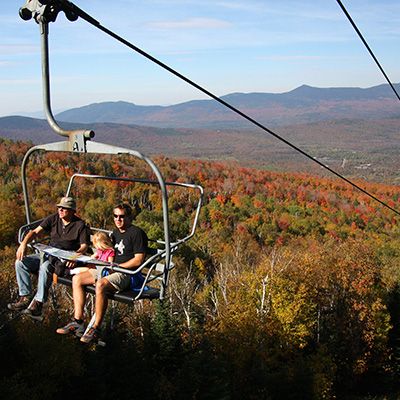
column 67, row 232
column 130, row 243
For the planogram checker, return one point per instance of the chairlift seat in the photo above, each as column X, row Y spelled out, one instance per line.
column 126, row 296
column 152, row 272
column 157, row 266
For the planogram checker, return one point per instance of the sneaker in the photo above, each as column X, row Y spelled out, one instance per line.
column 90, row 335
column 20, row 305
column 34, row 309
column 73, row 327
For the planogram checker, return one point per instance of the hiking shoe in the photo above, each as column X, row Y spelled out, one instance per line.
column 20, row 305
column 34, row 309
column 90, row 335
column 73, row 327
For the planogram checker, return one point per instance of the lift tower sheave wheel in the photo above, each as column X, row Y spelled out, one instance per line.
column 47, row 11
column 40, row 11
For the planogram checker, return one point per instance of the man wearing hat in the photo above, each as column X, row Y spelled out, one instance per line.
column 67, row 232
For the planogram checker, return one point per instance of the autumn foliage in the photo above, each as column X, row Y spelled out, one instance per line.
column 288, row 290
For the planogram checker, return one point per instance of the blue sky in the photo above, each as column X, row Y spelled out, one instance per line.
column 226, row 46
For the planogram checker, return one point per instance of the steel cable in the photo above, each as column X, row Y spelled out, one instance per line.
column 368, row 48
column 97, row 24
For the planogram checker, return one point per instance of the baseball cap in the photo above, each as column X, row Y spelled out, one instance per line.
column 67, row 202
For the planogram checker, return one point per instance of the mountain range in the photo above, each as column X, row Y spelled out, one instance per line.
column 355, row 131
column 305, row 104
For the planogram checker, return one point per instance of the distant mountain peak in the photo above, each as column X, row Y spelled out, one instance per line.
column 303, row 104
column 304, row 87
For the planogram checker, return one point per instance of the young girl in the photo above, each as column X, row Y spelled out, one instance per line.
column 104, row 251
column 104, row 248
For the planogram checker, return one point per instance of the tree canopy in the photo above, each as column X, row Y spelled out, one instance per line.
column 289, row 289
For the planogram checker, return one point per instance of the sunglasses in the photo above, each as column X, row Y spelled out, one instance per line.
column 63, row 208
column 116, row 216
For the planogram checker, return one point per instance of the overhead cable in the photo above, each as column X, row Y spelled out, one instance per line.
column 67, row 5
column 368, row 48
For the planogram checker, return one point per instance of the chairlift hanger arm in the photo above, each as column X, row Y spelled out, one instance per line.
column 43, row 12
column 77, row 138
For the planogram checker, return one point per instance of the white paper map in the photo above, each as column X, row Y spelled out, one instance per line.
column 68, row 255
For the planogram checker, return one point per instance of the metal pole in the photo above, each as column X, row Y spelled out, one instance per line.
column 87, row 134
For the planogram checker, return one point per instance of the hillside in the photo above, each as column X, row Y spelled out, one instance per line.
column 356, row 148
column 289, row 288
column 302, row 105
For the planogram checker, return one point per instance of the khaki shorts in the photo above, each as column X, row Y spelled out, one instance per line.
column 118, row 280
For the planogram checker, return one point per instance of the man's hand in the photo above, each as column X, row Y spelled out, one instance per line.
column 21, row 251
column 82, row 249
column 71, row 264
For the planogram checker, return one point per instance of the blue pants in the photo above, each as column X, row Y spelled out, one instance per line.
column 34, row 264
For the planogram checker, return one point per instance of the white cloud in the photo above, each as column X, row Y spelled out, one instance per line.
column 19, row 82
column 285, row 9
column 289, row 58
column 192, row 23
column 18, row 49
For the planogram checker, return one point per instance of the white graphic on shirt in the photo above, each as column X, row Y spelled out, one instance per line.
column 120, row 247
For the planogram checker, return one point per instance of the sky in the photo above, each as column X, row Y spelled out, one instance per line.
column 226, row 46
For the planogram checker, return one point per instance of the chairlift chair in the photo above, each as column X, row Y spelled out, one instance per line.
column 157, row 267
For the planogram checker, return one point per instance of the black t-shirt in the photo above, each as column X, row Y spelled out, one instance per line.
column 66, row 237
column 127, row 244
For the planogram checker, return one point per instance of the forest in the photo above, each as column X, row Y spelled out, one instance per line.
column 288, row 290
